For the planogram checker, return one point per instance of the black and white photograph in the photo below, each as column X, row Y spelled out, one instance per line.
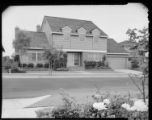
column 75, row 61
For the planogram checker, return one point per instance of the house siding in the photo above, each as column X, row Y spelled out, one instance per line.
column 92, row 56
column 27, row 57
column 74, row 42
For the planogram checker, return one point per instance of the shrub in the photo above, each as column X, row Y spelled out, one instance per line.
column 94, row 64
column 16, row 70
column 46, row 65
column 134, row 64
column 100, row 109
column 30, row 65
column 24, row 65
column 39, row 65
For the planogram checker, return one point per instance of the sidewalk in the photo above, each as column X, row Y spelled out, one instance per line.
column 127, row 71
column 75, row 74
column 16, row 108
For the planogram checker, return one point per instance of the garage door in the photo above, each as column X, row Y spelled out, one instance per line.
column 118, row 63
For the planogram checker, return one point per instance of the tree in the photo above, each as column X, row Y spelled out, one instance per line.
column 55, row 57
column 141, row 47
column 132, row 34
column 20, row 42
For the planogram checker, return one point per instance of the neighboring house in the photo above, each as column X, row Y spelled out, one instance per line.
column 117, row 55
column 80, row 39
column 127, row 45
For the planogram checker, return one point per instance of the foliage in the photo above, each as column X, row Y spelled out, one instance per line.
column 39, row 65
column 56, row 58
column 134, row 63
column 24, row 65
column 97, row 64
column 7, row 62
column 21, row 42
column 140, row 81
column 141, row 37
column 30, row 65
column 17, row 70
column 46, row 65
column 113, row 109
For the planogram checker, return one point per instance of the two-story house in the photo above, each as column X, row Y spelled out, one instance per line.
column 80, row 39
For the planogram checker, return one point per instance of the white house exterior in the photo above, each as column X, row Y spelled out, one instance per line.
column 80, row 39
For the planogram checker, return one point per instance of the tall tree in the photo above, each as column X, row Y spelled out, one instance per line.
column 54, row 57
column 20, row 42
column 141, row 47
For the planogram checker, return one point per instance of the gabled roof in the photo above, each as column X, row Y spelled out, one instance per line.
column 38, row 39
column 126, row 42
column 56, row 23
column 114, row 47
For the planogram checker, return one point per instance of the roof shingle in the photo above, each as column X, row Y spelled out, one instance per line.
column 38, row 39
column 56, row 23
column 114, row 47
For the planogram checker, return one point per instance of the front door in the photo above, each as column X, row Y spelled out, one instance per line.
column 77, row 59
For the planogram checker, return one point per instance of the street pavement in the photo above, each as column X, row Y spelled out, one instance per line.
column 74, row 74
column 16, row 108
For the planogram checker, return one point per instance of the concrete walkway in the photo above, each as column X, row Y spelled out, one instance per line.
column 16, row 108
column 78, row 74
column 127, row 71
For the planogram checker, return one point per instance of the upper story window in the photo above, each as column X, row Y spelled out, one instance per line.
column 96, row 35
column 96, row 38
column 66, row 31
column 66, row 36
column 81, row 37
column 82, row 33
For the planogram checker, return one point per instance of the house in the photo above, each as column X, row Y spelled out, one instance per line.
column 117, row 55
column 127, row 45
column 80, row 39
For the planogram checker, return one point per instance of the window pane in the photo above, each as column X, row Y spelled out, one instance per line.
column 96, row 39
column 82, row 37
column 33, row 56
column 66, row 36
column 39, row 56
column 76, row 59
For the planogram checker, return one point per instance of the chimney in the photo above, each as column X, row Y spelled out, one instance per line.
column 38, row 28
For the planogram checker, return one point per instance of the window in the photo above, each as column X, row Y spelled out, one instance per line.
column 66, row 36
column 76, row 59
column 82, row 37
column 33, row 56
column 96, row 38
column 39, row 56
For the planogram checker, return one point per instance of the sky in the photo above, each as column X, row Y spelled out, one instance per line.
column 114, row 20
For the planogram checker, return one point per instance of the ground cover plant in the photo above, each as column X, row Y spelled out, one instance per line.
column 102, row 106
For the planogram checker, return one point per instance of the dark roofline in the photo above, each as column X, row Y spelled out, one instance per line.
column 68, row 18
column 96, row 27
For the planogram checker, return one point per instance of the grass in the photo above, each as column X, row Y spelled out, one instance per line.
column 32, row 87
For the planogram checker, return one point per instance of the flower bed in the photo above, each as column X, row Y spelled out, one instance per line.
column 104, row 106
